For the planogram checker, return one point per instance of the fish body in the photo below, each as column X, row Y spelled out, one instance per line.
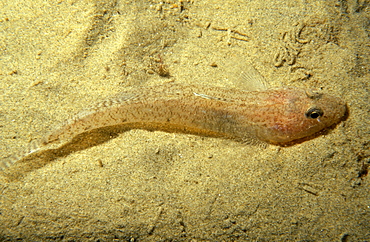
column 274, row 116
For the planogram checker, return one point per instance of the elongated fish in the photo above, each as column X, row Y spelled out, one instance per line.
column 273, row 116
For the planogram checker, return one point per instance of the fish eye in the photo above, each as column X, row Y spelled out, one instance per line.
column 314, row 113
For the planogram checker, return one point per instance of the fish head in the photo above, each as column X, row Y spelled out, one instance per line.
column 305, row 114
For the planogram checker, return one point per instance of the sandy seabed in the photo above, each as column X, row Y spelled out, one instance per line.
column 59, row 57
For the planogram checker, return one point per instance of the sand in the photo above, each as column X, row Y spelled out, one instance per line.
column 59, row 57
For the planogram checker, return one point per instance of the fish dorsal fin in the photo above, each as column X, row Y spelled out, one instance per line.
column 244, row 75
column 252, row 79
